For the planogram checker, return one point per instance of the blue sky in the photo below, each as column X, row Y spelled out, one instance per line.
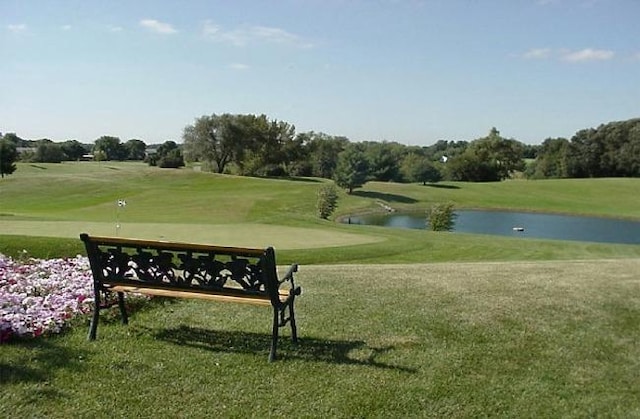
column 398, row 70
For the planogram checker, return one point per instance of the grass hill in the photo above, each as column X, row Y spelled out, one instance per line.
column 44, row 207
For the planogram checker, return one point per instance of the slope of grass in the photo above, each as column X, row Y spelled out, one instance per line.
column 65, row 199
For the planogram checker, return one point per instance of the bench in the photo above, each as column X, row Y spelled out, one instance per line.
column 183, row 270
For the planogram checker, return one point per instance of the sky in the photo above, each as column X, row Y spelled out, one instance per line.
column 411, row 71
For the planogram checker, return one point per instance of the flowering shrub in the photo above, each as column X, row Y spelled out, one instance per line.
column 41, row 296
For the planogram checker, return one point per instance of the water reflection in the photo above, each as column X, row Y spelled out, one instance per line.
column 522, row 224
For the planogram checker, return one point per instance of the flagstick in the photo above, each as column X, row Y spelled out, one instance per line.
column 120, row 203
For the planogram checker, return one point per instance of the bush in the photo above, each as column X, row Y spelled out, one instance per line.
column 441, row 217
column 327, row 200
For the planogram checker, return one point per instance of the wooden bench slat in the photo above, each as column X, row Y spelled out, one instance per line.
column 262, row 300
column 169, row 245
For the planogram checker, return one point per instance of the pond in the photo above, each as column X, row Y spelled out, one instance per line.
column 521, row 224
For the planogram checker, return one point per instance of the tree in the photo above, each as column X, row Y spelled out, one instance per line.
column 74, row 150
column 323, row 150
column 415, row 168
column 384, row 160
column 8, row 157
column 299, row 156
column 609, row 150
column 266, row 143
column 111, row 147
column 49, row 152
column 136, row 149
column 551, row 161
column 487, row 159
column 471, row 166
column 352, row 168
column 14, row 139
column 327, row 200
column 167, row 155
column 215, row 139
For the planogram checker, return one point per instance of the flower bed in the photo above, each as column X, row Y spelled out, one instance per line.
column 40, row 297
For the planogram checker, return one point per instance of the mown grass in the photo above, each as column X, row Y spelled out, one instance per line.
column 544, row 339
column 539, row 328
column 65, row 199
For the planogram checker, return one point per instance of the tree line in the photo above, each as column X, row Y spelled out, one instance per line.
column 610, row 150
column 254, row 145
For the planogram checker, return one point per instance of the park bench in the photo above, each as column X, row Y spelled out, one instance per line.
column 183, row 270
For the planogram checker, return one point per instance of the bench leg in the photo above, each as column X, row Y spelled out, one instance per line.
column 93, row 327
column 123, row 308
column 274, row 336
column 292, row 319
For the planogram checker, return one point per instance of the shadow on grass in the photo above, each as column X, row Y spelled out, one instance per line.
column 299, row 179
column 388, row 197
column 291, row 178
column 39, row 360
column 441, row 186
column 307, row 349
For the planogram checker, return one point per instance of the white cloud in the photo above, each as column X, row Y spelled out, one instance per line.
column 588, row 54
column 537, row 54
column 253, row 34
column 114, row 28
column 563, row 54
column 210, row 30
column 238, row 66
column 157, row 26
column 17, row 28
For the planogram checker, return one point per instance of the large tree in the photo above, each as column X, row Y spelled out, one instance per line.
column 552, row 159
column 216, row 139
column 8, row 157
column 48, row 152
column 416, row 168
column 136, row 149
column 384, row 160
column 268, row 145
column 74, row 150
column 323, row 150
column 486, row 159
column 110, row 147
column 167, row 155
column 352, row 169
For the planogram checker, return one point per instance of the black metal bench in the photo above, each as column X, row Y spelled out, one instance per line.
column 186, row 270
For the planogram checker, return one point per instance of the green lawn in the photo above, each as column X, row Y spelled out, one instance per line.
column 62, row 200
column 541, row 339
column 393, row 323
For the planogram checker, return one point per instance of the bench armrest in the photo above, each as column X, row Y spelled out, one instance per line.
column 289, row 275
column 293, row 290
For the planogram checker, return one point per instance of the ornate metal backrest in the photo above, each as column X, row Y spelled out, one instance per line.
column 179, row 265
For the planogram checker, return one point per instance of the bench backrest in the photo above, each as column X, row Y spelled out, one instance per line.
column 186, row 266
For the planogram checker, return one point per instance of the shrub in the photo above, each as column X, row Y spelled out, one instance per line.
column 441, row 217
column 327, row 200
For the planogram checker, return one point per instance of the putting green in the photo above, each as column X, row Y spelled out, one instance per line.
column 241, row 235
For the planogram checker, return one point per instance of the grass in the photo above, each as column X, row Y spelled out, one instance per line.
column 544, row 339
column 48, row 200
column 393, row 323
